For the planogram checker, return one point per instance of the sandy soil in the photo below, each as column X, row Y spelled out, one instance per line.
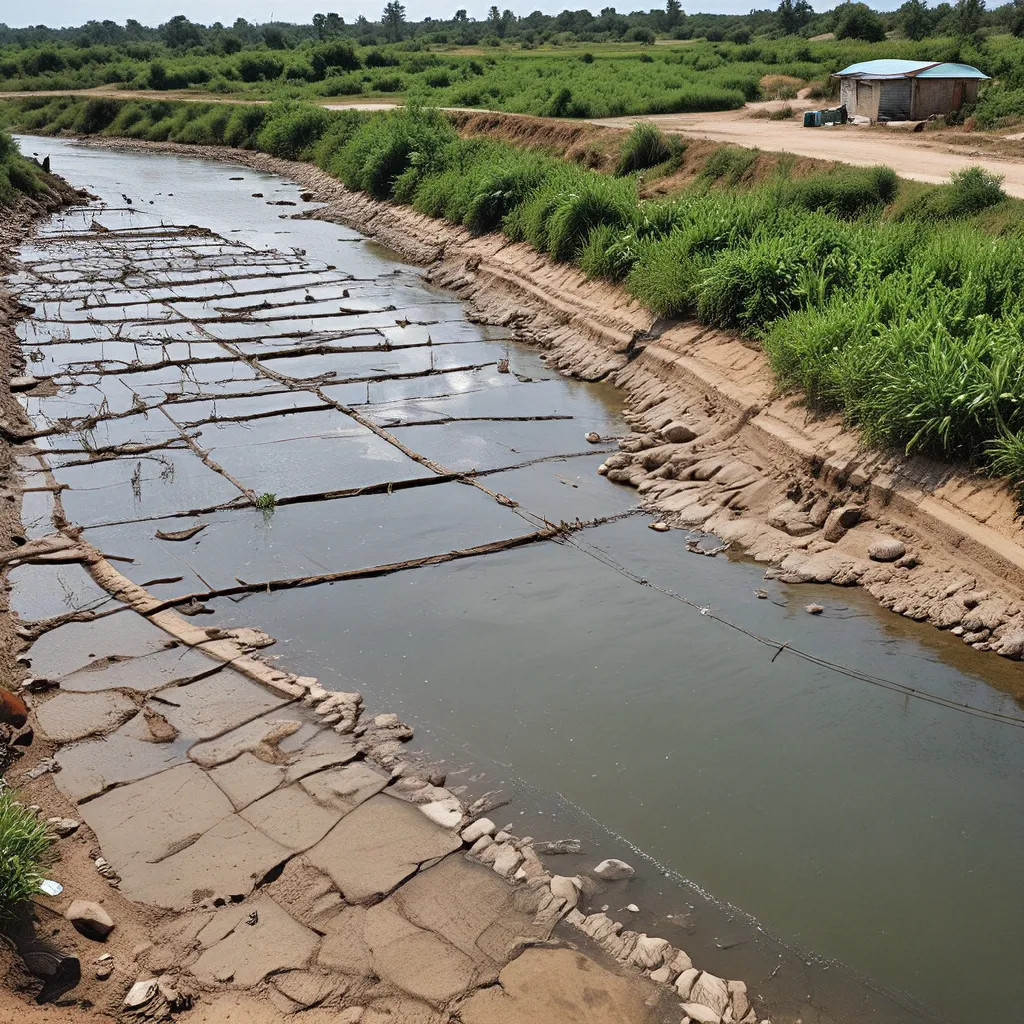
column 925, row 156
column 928, row 156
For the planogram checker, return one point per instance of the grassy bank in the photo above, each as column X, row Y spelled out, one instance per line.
column 18, row 176
column 898, row 305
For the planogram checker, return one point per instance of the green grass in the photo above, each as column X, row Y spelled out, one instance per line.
column 646, row 146
column 18, row 176
column 25, row 849
column 566, row 80
column 898, row 305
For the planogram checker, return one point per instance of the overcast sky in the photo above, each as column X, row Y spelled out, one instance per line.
column 57, row 13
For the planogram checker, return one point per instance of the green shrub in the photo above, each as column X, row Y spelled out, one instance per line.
column 291, row 130
column 25, row 849
column 244, row 125
column 645, row 146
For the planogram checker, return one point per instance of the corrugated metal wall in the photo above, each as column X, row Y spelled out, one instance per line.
column 894, row 104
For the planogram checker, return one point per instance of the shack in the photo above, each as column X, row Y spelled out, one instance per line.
column 907, row 90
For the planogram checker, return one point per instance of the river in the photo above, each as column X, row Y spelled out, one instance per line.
column 872, row 840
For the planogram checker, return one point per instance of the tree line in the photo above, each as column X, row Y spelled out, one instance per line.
column 966, row 19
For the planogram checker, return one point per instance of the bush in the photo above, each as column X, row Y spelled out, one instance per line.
column 728, row 164
column 243, row 126
column 291, row 130
column 645, row 146
column 25, row 848
column 382, row 149
column 972, row 190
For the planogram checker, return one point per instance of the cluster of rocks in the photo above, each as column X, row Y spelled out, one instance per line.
column 805, row 530
column 705, row 998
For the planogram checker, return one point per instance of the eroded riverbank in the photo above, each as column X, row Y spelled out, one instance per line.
column 482, row 636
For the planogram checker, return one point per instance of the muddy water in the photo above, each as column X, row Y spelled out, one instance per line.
column 877, row 831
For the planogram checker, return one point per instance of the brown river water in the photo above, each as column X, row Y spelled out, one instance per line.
column 850, row 851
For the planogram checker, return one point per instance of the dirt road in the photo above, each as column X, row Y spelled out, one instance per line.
column 925, row 156
column 920, row 156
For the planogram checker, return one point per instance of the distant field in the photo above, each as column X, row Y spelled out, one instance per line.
column 575, row 80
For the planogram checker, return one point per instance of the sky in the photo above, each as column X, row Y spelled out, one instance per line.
column 58, row 13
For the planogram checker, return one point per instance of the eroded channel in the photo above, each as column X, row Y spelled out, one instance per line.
column 201, row 350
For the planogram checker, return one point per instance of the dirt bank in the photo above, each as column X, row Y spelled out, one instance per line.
column 715, row 447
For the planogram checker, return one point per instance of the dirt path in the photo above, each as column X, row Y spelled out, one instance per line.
column 920, row 156
column 926, row 156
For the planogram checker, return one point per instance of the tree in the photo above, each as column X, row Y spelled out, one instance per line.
column 858, row 21
column 180, row 33
column 967, row 17
column 673, row 13
column 460, row 16
column 274, row 37
column 1017, row 18
column 791, row 17
column 392, row 19
column 914, row 20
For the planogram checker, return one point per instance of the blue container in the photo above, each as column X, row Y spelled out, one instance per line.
column 812, row 118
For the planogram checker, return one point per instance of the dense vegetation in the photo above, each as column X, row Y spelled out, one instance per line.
column 574, row 64
column 18, row 176
column 898, row 304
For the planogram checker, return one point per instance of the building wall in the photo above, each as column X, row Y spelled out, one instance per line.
column 936, row 95
column 867, row 95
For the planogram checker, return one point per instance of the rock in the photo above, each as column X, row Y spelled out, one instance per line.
column 506, row 862
column 678, row 432
column 177, row 996
column 684, row 983
column 738, row 999
column 663, row 975
column 711, row 992
column 840, row 520
column 444, row 812
column 481, row 827
column 613, row 870
column 648, row 953
column 63, row 827
column 90, row 920
column 659, row 527
column 593, row 437
column 564, row 888
column 680, row 963
column 560, row 846
column 632, row 908
column 886, row 549
column 140, row 993
column 104, row 971
column 701, row 1013
column 1011, row 644
column 814, row 609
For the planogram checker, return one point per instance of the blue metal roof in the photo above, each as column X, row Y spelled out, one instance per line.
column 909, row 69
column 951, row 71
